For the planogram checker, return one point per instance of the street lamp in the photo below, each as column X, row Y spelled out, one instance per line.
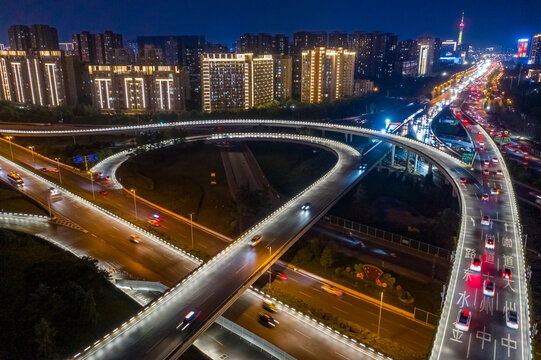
column 10, row 148
column 32, row 150
column 58, row 167
column 380, row 306
column 134, row 203
column 92, row 184
column 191, row 227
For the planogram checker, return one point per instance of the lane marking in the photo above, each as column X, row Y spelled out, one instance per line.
column 303, row 334
column 305, row 294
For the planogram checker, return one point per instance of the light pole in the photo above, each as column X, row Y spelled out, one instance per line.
column 49, row 198
column 134, row 203
column 58, row 167
column 32, row 150
column 10, row 148
column 92, row 184
column 380, row 306
column 191, row 227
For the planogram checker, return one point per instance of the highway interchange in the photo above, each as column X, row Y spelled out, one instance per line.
column 158, row 341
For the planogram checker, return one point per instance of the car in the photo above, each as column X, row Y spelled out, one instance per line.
column 99, row 175
column 157, row 217
column 107, row 178
column 486, row 163
column 485, row 197
column 44, row 169
column 506, row 273
column 476, row 264
column 486, row 172
column 463, row 320
column 524, row 163
column 481, row 143
column 463, row 180
column 489, row 241
column 481, row 147
column 267, row 320
column 485, row 221
column 332, row 290
column 256, row 240
column 511, row 319
column 494, row 191
column 134, row 239
column 104, row 192
column 279, row 274
column 306, row 206
column 362, row 167
column 488, row 288
column 495, row 160
column 53, row 191
column 269, row 306
column 154, row 222
column 188, row 320
column 499, row 172
column 56, row 170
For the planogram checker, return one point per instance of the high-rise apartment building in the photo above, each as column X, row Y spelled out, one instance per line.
column 429, row 53
column 236, row 81
column 283, row 70
column 19, row 37
column 36, row 37
column 84, row 47
column 327, row 74
column 260, row 44
column 150, row 55
column 136, row 89
column 362, row 44
column 35, row 77
column 338, row 39
column 376, row 54
column 407, row 57
column 303, row 40
column 535, row 50
column 96, row 48
column 43, row 37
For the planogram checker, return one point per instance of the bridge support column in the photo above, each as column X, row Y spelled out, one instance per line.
column 393, row 149
column 416, row 160
column 407, row 161
column 430, row 168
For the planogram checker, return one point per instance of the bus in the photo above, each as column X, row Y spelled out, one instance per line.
column 16, row 179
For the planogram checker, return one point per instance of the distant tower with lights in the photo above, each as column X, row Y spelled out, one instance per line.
column 461, row 30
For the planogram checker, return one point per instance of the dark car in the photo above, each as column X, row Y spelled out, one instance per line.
column 188, row 320
column 267, row 320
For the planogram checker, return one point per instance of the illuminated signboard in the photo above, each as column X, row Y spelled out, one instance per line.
column 522, row 48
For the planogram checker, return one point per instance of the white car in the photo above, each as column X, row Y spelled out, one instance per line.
column 53, row 191
column 463, row 320
column 476, row 265
column 256, row 240
column 485, row 221
column 494, row 191
column 489, row 242
column 511, row 319
column 495, row 160
column 332, row 290
column 488, row 288
column 134, row 239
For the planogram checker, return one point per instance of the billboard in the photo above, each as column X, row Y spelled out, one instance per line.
column 522, row 48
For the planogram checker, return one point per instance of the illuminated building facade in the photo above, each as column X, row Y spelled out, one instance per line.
column 236, row 81
column 429, row 54
column 535, row 50
column 136, row 89
column 461, row 30
column 522, row 48
column 327, row 74
column 34, row 77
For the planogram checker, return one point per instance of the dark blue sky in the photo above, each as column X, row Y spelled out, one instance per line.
column 487, row 22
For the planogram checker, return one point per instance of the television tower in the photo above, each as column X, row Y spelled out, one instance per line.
column 461, row 30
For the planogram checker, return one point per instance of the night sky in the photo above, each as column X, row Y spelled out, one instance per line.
column 496, row 22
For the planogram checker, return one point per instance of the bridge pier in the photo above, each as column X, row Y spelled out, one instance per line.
column 393, row 148
column 415, row 166
column 407, row 161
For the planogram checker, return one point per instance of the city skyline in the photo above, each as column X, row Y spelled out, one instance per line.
column 484, row 26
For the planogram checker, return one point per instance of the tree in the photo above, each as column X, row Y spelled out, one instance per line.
column 327, row 257
column 315, row 246
column 45, row 334
column 303, row 256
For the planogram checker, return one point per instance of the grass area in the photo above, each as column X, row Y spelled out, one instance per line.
column 324, row 258
column 523, row 173
column 52, row 303
column 179, row 179
column 302, row 164
column 12, row 200
column 412, row 207
column 345, row 326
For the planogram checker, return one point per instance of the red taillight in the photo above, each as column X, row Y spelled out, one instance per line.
column 283, row 276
